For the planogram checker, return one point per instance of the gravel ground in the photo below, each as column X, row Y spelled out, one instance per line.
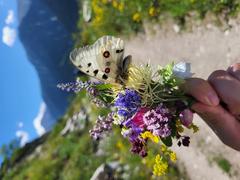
column 207, row 48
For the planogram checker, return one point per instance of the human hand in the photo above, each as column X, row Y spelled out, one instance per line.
column 219, row 103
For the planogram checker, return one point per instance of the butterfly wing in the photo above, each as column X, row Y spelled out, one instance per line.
column 123, row 67
column 101, row 60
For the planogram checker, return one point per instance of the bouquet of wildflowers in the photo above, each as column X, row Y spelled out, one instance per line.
column 149, row 106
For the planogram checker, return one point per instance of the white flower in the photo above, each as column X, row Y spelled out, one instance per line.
column 182, row 70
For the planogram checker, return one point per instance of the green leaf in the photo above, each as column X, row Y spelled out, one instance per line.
column 167, row 141
column 103, row 86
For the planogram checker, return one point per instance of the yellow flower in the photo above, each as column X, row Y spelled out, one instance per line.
column 136, row 17
column 104, row 1
column 121, row 7
column 114, row 3
column 98, row 11
column 148, row 134
column 152, row 11
column 96, row 8
column 164, row 148
column 98, row 19
column 168, row 152
column 119, row 145
column 160, row 167
column 173, row 156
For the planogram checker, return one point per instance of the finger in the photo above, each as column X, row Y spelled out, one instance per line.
column 238, row 117
column 202, row 91
column 226, row 127
column 228, row 89
column 234, row 70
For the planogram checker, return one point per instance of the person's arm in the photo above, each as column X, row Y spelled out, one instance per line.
column 219, row 103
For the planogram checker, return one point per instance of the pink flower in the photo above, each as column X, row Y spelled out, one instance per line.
column 186, row 117
column 137, row 120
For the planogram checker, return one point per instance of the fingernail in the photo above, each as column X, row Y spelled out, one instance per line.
column 212, row 99
column 235, row 67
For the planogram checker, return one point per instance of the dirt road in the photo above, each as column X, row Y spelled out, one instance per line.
column 207, row 48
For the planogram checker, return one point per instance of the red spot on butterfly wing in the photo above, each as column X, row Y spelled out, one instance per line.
column 106, row 54
column 107, row 70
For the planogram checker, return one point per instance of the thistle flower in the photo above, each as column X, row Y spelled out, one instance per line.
column 128, row 103
column 146, row 82
column 102, row 126
column 139, row 77
column 157, row 121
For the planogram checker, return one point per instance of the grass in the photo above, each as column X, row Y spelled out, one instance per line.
column 124, row 17
column 223, row 164
column 74, row 156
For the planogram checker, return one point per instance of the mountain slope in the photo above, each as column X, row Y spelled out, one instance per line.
column 45, row 30
column 75, row 155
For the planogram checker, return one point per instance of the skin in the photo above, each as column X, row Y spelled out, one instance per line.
column 218, row 103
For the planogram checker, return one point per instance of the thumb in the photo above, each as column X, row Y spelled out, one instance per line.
column 226, row 127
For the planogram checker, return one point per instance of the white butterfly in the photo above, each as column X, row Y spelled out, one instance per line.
column 103, row 60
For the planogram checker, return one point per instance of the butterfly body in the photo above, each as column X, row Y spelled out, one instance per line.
column 103, row 60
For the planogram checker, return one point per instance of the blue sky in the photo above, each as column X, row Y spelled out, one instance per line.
column 20, row 95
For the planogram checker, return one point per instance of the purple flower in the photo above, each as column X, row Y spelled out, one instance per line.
column 132, row 133
column 157, row 121
column 137, row 119
column 186, row 117
column 138, row 147
column 102, row 126
column 128, row 103
column 74, row 86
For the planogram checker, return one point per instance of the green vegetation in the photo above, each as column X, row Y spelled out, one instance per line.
column 7, row 150
column 223, row 164
column 74, row 156
column 124, row 17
